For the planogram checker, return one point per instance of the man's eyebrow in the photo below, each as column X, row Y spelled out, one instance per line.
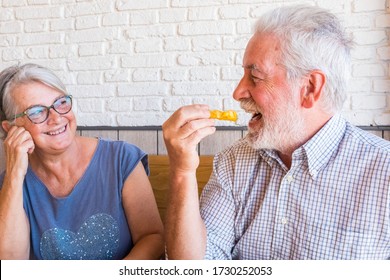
column 253, row 67
column 250, row 66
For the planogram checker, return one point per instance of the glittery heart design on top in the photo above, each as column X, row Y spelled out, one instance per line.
column 97, row 239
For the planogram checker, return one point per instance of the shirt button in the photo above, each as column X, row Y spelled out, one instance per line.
column 284, row 221
column 289, row 178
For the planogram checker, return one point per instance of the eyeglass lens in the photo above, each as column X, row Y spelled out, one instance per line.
column 39, row 114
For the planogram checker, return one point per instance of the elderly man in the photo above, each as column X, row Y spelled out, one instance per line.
column 304, row 183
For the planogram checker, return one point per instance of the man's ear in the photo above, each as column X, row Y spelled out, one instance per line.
column 311, row 90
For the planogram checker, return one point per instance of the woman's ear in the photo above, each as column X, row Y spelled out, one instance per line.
column 6, row 125
column 312, row 88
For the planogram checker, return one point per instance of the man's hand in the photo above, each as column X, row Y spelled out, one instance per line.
column 182, row 133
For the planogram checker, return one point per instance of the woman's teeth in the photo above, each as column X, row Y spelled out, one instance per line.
column 59, row 131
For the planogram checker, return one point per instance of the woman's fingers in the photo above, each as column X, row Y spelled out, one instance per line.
column 17, row 145
column 19, row 139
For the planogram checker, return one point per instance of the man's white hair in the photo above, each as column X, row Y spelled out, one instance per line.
column 312, row 38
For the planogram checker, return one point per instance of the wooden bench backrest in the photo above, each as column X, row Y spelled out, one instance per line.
column 159, row 177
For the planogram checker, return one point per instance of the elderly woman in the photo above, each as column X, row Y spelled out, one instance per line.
column 64, row 196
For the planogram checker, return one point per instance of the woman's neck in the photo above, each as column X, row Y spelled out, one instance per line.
column 60, row 172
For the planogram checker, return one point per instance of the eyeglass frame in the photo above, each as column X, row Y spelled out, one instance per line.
column 24, row 113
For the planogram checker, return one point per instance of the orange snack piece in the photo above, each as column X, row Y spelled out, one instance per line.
column 228, row 115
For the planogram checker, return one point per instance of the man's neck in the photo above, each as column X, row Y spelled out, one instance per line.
column 311, row 128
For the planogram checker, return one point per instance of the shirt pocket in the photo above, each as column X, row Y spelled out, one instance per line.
column 333, row 243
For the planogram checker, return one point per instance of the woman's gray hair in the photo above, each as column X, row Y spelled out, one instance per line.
column 23, row 74
column 312, row 39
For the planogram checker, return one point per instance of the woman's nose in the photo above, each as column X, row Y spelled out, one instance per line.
column 53, row 115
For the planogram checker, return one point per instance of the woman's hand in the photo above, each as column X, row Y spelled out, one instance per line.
column 182, row 133
column 17, row 145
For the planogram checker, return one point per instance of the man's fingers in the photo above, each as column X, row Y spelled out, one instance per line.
column 186, row 114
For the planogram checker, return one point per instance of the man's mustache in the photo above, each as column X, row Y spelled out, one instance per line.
column 249, row 104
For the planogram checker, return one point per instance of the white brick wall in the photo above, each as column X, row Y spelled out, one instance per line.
column 123, row 60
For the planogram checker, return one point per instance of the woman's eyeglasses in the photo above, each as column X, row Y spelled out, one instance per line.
column 38, row 113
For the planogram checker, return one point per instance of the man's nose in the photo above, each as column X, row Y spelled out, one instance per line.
column 242, row 90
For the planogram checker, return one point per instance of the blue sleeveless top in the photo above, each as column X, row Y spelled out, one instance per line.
column 90, row 223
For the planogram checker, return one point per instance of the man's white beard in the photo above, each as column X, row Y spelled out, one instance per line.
column 281, row 131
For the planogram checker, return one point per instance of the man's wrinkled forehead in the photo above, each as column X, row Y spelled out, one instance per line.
column 262, row 52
